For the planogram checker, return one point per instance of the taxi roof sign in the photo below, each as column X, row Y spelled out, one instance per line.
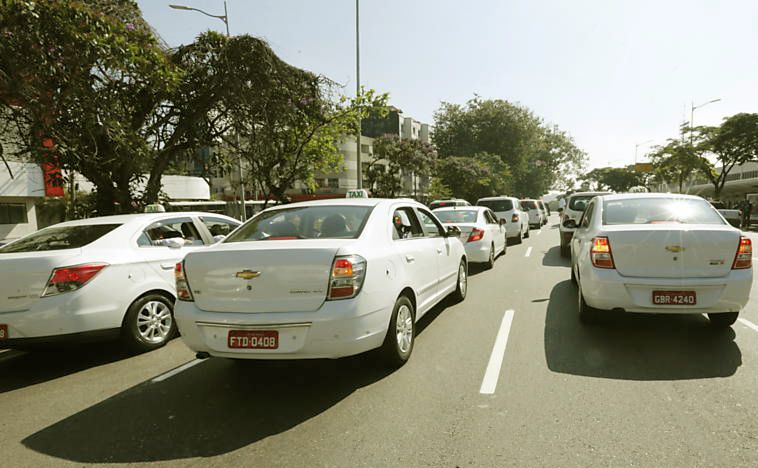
column 357, row 193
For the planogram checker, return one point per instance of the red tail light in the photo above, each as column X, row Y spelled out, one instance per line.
column 71, row 278
column 476, row 234
column 183, row 292
column 744, row 257
column 347, row 277
column 601, row 254
column 514, row 218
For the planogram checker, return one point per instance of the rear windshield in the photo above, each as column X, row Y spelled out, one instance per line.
column 529, row 204
column 580, row 203
column 457, row 216
column 309, row 222
column 440, row 204
column 659, row 211
column 497, row 205
column 59, row 238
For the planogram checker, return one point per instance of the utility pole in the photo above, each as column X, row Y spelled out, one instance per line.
column 358, row 93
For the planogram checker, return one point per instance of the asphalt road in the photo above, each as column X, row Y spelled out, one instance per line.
column 634, row 391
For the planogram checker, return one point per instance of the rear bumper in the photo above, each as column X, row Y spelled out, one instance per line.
column 337, row 329
column 477, row 252
column 607, row 289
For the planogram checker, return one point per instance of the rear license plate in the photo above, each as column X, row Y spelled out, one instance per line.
column 253, row 339
column 3, row 331
column 674, row 298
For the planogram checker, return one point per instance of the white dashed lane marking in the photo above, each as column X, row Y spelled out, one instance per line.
column 492, row 374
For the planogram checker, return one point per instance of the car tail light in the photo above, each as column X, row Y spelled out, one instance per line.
column 68, row 279
column 476, row 234
column 601, row 254
column 183, row 292
column 744, row 257
column 514, row 218
column 348, row 273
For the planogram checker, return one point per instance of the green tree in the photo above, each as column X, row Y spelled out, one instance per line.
column 438, row 190
column 394, row 158
column 616, row 179
column 733, row 143
column 676, row 162
column 474, row 177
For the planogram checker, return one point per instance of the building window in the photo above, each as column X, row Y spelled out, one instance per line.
column 365, row 149
column 13, row 213
column 334, row 183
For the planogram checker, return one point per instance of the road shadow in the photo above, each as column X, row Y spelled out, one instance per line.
column 635, row 346
column 20, row 369
column 213, row 408
column 552, row 258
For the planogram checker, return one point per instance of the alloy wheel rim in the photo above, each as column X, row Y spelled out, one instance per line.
column 462, row 279
column 154, row 322
column 404, row 328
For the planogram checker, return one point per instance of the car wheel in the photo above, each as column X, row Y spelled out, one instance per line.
column 505, row 245
column 526, row 235
column 149, row 323
column 398, row 344
column 519, row 239
column 565, row 252
column 723, row 320
column 461, row 285
column 491, row 260
column 587, row 314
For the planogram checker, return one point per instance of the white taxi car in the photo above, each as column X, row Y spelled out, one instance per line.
column 99, row 278
column 483, row 235
column 322, row 279
column 570, row 217
column 660, row 253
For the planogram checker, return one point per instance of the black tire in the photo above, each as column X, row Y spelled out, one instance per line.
column 519, row 239
column 587, row 314
column 505, row 245
column 392, row 353
column 565, row 252
column 491, row 260
column 461, row 287
column 723, row 320
column 526, row 236
column 573, row 275
column 137, row 322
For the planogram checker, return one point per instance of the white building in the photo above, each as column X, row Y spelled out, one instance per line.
column 18, row 195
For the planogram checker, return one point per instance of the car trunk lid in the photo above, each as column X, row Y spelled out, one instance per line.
column 23, row 276
column 673, row 250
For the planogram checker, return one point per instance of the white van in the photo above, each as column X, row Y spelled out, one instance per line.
column 509, row 209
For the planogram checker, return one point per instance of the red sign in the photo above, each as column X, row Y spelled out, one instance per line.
column 51, row 171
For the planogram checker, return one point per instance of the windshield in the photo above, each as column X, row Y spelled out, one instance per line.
column 309, row 222
column 497, row 205
column 579, row 203
column 659, row 211
column 457, row 216
column 59, row 238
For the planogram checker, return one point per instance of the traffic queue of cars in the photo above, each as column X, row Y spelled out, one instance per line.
column 333, row 278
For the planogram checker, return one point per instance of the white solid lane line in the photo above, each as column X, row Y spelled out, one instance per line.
column 528, row 252
column 179, row 369
column 748, row 323
column 491, row 375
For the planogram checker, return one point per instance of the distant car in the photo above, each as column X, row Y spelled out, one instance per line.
column 320, row 279
column 536, row 216
column 733, row 217
column 445, row 203
column 660, row 253
column 100, row 278
column 509, row 209
column 572, row 213
column 545, row 210
column 482, row 233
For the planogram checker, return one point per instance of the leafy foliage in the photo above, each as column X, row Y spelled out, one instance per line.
column 474, row 177
column 393, row 158
column 616, row 179
column 676, row 162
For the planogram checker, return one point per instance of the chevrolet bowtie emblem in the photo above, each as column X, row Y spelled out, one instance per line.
column 247, row 274
column 675, row 248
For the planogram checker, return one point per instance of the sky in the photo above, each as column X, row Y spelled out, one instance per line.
column 612, row 73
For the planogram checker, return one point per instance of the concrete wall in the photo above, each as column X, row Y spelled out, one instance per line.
column 25, row 187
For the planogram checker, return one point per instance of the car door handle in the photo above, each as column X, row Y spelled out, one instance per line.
column 439, row 250
column 410, row 258
column 168, row 266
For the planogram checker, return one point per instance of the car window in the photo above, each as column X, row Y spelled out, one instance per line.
column 158, row 233
column 457, row 216
column 587, row 216
column 431, row 227
column 218, row 226
column 490, row 217
column 659, row 211
column 304, row 222
column 405, row 224
column 529, row 204
column 497, row 205
column 59, row 238
column 579, row 203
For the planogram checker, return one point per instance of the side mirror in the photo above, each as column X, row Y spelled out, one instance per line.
column 569, row 223
column 174, row 243
column 218, row 238
column 453, row 231
column 503, row 221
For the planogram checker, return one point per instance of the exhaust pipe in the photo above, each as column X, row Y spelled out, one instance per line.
column 202, row 355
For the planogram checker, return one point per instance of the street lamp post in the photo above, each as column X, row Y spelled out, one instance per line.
column 692, row 113
column 225, row 19
column 358, row 92
column 636, row 146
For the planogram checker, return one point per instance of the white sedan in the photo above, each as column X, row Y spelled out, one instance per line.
column 660, row 253
column 99, row 278
column 322, row 279
column 485, row 236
